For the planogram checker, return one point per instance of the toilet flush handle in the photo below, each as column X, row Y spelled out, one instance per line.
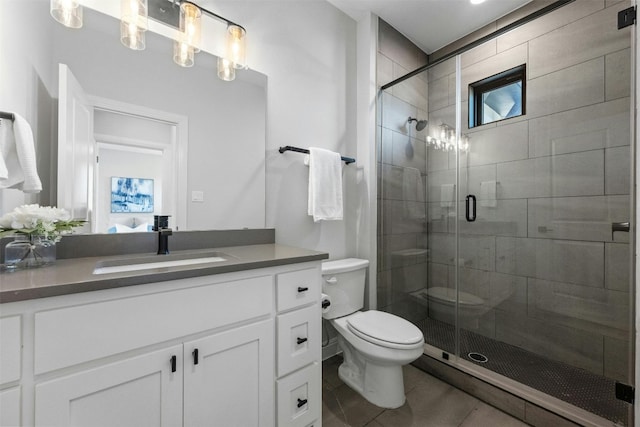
column 332, row 281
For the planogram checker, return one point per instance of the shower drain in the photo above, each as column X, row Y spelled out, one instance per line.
column 477, row 357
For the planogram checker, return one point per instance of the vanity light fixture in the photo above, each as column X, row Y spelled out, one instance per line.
column 67, row 12
column 188, row 43
column 133, row 23
column 188, row 22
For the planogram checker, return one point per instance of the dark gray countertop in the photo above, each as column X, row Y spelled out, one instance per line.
column 68, row 276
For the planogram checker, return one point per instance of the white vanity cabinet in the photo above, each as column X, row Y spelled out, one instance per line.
column 10, row 369
column 201, row 351
column 299, row 335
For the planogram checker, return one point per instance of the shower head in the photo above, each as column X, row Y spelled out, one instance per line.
column 420, row 124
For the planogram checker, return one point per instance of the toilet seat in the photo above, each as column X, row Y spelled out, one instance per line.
column 385, row 329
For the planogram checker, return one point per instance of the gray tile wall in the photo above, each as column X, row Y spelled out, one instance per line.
column 541, row 255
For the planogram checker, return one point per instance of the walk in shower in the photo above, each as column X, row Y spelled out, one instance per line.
column 503, row 219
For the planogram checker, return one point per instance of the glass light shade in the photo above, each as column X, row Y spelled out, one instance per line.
column 183, row 54
column 236, row 45
column 133, row 23
column 226, row 70
column 191, row 25
column 132, row 36
column 134, row 12
column 67, row 12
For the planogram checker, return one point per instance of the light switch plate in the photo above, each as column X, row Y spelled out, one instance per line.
column 197, row 196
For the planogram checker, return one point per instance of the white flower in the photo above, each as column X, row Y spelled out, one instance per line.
column 34, row 219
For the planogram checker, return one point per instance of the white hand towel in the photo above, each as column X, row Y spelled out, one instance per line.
column 488, row 194
column 18, row 151
column 325, row 185
column 413, row 194
column 6, row 131
column 447, row 195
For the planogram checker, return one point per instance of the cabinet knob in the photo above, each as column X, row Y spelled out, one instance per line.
column 301, row 402
column 302, row 289
column 302, row 340
column 173, row 361
column 195, row 356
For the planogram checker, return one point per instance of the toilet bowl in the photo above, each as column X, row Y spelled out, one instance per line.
column 442, row 301
column 375, row 344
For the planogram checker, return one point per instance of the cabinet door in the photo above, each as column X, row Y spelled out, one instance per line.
column 140, row 391
column 10, row 407
column 231, row 383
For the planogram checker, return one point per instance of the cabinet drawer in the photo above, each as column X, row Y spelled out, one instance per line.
column 299, row 335
column 298, row 288
column 10, row 351
column 299, row 397
column 72, row 335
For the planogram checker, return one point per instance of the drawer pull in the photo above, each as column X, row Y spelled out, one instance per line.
column 301, row 402
column 301, row 289
column 302, row 340
column 173, row 361
column 195, row 356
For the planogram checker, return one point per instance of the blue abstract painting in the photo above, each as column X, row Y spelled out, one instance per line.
column 131, row 194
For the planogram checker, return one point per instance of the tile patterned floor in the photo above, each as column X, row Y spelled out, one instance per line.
column 430, row 402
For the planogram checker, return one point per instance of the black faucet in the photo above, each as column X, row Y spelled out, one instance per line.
column 161, row 225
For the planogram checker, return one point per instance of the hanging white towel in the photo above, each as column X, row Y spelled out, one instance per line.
column 447, row 195
column 325, row 185
column 488, row 194
column 6, row 129
column 413, row 194
column 19, row 155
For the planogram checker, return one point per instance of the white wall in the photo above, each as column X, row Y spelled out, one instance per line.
column 307, row 48
column 25, row 83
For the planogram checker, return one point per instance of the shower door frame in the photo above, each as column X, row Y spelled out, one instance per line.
column 537, row 397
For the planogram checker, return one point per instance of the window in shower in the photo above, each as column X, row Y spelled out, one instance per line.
column 498, row 97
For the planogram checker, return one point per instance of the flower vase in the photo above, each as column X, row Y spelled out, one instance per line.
column 29, row 251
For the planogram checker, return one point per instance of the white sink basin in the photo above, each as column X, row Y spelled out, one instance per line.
column 157, row 261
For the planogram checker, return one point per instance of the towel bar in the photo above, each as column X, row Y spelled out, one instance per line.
column 347, row 160
column 8, row 116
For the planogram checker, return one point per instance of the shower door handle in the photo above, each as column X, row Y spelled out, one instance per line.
column 620, row 226
column 470, row 206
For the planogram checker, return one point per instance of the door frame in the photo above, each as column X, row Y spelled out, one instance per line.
column 179, row 147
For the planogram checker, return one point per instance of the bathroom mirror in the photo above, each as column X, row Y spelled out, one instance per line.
column 223, row 123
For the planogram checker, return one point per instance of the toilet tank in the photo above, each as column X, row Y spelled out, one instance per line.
column 343, row 280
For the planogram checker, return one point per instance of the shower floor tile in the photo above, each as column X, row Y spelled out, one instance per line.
column 430, row 402
column 576, row 386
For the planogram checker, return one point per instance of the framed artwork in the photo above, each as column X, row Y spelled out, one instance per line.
column 131, row 195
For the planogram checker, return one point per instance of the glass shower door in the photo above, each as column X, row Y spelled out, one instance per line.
column 543, row 273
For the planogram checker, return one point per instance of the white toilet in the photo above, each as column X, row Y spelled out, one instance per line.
column 375, row 344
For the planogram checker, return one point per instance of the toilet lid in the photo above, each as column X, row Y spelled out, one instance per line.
column 385, row 329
